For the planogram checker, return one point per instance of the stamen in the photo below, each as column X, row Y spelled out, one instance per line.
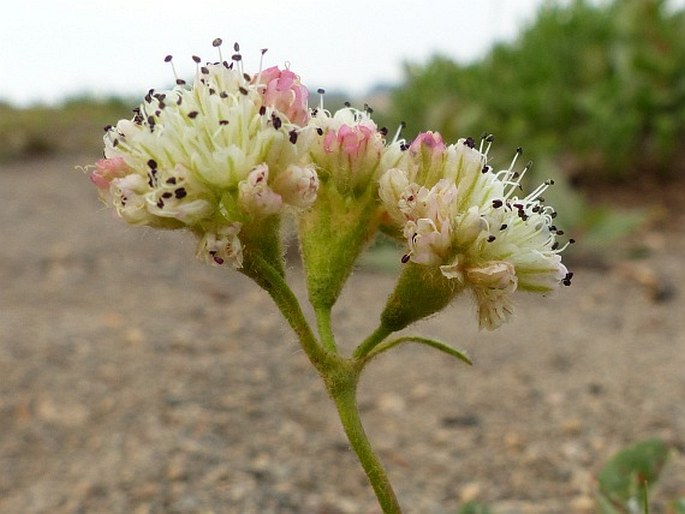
column 169, row 59
column 398, row 132
column 321, row 92
column 217, row 44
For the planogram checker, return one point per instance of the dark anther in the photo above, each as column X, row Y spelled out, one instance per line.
column 347, row 104
column 180, row 82
column 167, row 194
column 212, row 91
column 115, row 143
column 485, row 169
column 262, row 110
column 168, row 58
column 555, row 246
column 180, row 193
column 491, row 239
column 193, row 114
column 383, row 131
column 160, row 203
column 237, row 57
column 497, row 203
column 242, row 90
column 519, row 150
column 470, row 142
column 196, row 59
column 152, row 163
column 217, row 42
column 108, row 128
column 319, row 131
column 571, row 241
column 171, row 180
column 321, row 91
column 223, row 122
column 204, row 70
column 264, row 50
column 150, row 120
column 276, row 122
column 236, row 47
column 503, row 226
column 567, row 279
column 247, row 77
column 223, row 94
column 292, row 136
column 368, row 108
column 405, row 258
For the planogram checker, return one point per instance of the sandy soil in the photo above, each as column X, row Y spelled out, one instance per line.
column 134, row 379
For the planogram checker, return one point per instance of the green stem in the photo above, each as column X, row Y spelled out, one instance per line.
column 323, row 321
column 259, row 270
column 345, row 398
column 371, row 342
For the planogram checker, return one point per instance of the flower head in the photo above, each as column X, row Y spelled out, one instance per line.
column 346, row 147
column 216, row 153
column 457, row 214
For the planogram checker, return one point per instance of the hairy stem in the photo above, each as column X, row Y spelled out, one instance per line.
column 345, row 397
column 323, row 321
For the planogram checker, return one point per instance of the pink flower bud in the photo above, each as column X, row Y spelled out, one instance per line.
column 107, row 170
column 285, row 92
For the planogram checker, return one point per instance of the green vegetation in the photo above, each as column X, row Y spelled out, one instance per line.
column 600, row 88
column 74, row 126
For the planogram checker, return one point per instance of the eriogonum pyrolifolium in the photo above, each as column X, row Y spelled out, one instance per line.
column 229, row 155
column 233, row 149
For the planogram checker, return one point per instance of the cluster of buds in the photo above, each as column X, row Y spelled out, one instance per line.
column 232, row 150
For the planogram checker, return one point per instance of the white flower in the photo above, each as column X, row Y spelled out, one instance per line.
column 255, row 195
column 297, row 185
column 221, row 245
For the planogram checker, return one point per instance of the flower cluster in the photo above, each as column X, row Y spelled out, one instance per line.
column 211, row 157
column 232, row 150
column 456, row 213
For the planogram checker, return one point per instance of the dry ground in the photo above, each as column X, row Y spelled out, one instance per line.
column 136, row 380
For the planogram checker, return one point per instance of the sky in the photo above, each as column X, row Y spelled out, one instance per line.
column 52, row 49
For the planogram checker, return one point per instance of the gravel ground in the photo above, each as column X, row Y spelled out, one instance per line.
column 134, row 379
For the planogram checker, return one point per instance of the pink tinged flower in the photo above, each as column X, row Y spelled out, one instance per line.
column 428, row 242
column 297, row 185
column 107, row 170
column 284, row 91
column 255, row 195
column 351, row 141
column 222, row 246
column 427, row 142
